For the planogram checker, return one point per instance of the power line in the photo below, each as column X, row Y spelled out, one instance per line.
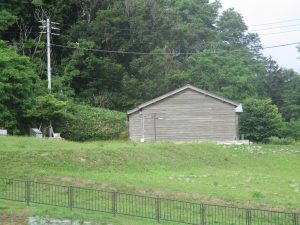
column 120, row 52
column 102, row 79
column 161, row 53
column 283, row 32
column 277, row 22
column 283, row 45
column 278, row 27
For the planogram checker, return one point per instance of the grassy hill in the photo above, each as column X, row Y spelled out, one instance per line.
column 258, row 176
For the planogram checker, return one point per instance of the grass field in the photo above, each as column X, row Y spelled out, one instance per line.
column 257, row 176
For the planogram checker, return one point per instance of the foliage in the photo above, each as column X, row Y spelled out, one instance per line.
column 223, row 73
column 189, row 41
column 291, row 98
column 6, row 20
column 279, row 141
column 282, row 86
column 232, row 27
column 87, row 73
column 260, row 120
column 19, row 85
column 49, row 109
column 291, row 129
column 150, row 76
column 90, row 123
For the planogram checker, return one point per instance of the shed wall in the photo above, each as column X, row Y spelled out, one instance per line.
column 185, row 116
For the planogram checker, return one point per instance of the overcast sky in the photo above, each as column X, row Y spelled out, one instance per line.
column 257, row 12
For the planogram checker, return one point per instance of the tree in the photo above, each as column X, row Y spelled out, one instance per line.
column 189, row 41
column 291, row 98
column 149, row 77
column 282, row 86
column 92, row 76
column 19, row 84
column 6, row 20
column 48, row 109
column 231, row 27
column 226, row 73
column 260, row 119
column 291, row 130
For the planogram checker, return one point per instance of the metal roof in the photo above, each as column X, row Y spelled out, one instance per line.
column 180, row 90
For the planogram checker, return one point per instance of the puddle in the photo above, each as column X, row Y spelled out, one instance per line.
column 51, row 221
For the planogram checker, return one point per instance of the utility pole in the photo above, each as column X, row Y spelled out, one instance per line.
column 154, row 120
column 144, row 120
column 156, row 116
column 46, row 28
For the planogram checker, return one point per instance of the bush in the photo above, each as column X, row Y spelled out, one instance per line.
column 291, row 130
column 279, row 141
column 260, row 120
column 90, row 123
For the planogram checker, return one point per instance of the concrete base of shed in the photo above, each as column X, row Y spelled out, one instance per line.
column 237, row 142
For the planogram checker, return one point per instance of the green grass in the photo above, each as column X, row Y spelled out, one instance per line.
column 257, row 176
column 13, row 213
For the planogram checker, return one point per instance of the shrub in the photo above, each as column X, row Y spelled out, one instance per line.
column 291, row 130
column 279, row 141
column 260, row 120
column 90, row 123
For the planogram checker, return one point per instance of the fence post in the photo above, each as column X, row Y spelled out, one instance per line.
column 295, row 219
column 203, row 214
column 157, row 207
column 114, row 203
column 27, row 192
column 248, row 217
column 71, row 197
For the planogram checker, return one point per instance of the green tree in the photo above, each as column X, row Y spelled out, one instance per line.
column 92, row 76
column 19, row 84
column 225, row 73
column 6, row 20
column 48, row 109
column 260, row 119
column 149, row 77
column 231, row 27
column 291, row 97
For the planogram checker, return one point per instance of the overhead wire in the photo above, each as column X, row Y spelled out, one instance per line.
column 282, row 45
column 281, row 32
column 160, row 53
column 277, row 22
column 275, row 28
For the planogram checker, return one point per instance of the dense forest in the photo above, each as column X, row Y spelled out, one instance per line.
column 116, row 54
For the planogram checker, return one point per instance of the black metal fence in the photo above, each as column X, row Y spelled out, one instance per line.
column 159, row 209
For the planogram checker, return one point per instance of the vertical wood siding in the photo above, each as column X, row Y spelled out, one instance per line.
column 186, row 116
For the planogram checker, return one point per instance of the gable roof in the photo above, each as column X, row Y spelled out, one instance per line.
column 141, row 106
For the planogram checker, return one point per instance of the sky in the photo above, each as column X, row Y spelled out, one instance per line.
column 258, row 12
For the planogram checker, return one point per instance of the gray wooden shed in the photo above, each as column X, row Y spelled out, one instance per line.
column 185, row 114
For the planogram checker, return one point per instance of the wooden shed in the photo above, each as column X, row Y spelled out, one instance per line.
column 185, row 114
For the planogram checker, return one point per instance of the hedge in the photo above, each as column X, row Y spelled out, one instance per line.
column 91, row 123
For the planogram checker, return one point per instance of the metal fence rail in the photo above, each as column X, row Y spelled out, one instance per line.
column 159, row 209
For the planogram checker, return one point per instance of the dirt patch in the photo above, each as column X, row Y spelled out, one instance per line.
column 12, row 218
column 81, row 159
column 45, row 154
column 76, row 181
